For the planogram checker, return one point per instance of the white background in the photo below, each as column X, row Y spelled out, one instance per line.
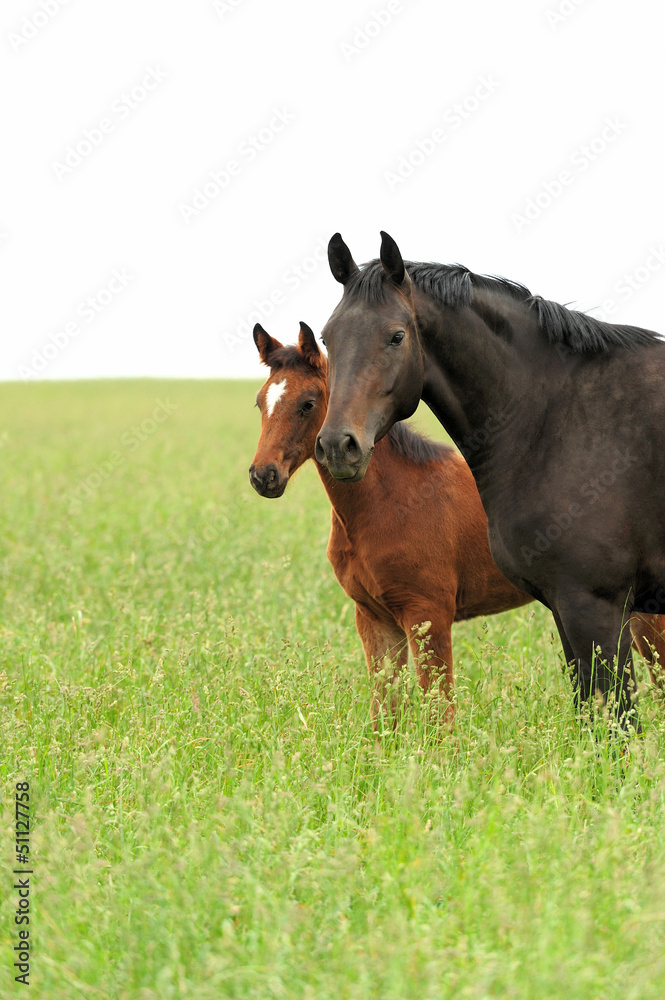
column 358, row 97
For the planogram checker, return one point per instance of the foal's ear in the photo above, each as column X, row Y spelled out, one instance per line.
column 341, row 262
column 391, row 259
column 265, row 344
column 308, row 346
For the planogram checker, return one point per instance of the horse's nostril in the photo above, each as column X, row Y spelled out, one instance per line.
column 258, row 478
column 338, row 447
column 351, row 448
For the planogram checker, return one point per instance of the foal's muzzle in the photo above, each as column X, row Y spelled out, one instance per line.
column 266, row 481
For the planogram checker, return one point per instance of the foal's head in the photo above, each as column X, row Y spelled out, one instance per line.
column 375, row 356
column 293, row 405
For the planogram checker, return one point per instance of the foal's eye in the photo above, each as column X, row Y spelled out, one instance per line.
column 397, row 339
column 307, row 407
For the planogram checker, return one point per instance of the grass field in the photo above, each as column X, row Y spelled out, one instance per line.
column 213, row 817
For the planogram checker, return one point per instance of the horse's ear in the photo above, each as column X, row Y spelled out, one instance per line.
column 391, row 259
column 341, row 262
column 309, row 347
column 265, row 344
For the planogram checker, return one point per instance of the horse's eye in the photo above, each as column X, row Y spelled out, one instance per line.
column 397, row 339
column 307, row 407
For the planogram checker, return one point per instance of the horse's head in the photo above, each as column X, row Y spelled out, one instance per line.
column 375, row 358
column 292, row 404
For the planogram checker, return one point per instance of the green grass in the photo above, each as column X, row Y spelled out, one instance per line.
column 184, row 689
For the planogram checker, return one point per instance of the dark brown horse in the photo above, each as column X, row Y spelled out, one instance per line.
column 408, row 543
column 562, row 420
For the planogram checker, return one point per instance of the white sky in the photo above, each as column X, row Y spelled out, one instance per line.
column 561, row 106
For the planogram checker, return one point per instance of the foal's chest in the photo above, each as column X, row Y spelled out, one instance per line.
column 361, row 569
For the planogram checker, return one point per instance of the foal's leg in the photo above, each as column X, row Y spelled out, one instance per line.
column 648, row 633
column 386, row 652
column 432, row 651
column 599, row 638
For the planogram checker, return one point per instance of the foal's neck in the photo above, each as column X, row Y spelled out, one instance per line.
column 352, row 502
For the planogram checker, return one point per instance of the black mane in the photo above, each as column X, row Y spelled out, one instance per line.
column 417, row 447
column 581, row 333
column 454, row 285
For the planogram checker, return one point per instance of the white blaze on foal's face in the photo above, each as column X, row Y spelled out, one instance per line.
column 274, row 393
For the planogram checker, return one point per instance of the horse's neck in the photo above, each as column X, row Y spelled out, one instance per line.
column 475, row 378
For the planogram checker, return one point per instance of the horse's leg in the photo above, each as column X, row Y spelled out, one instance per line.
column 432, row 651
column 648, row 633
column 386, row 652
column 568, row 651
column 600, row 642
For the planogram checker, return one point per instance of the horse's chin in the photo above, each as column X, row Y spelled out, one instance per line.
column 274, row 492
column 350, row 473
column 346, row 476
